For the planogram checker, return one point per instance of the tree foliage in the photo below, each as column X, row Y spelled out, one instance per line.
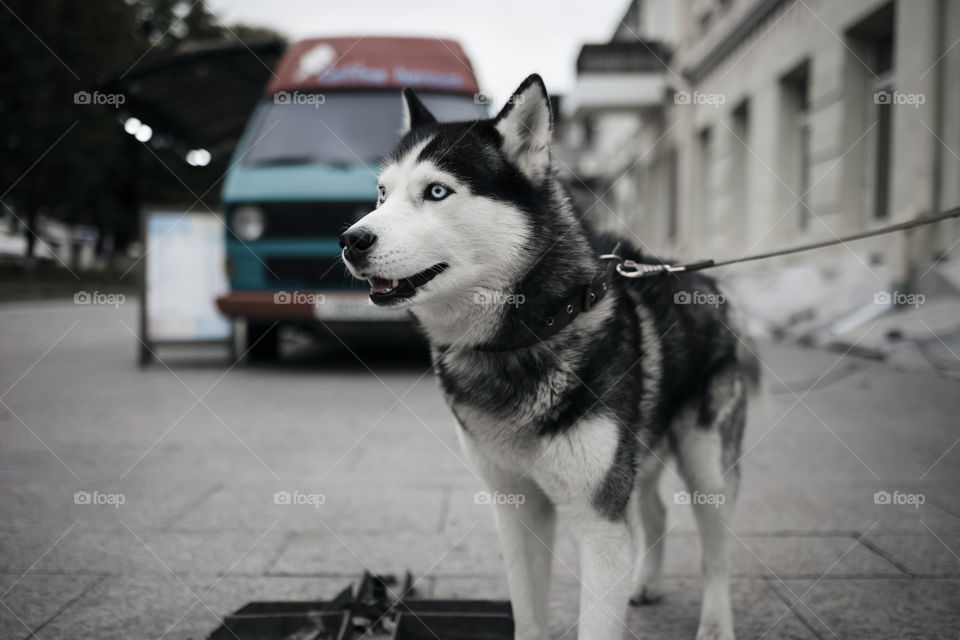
column 67, row 157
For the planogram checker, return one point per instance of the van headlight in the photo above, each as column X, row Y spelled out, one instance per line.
column 248, row 222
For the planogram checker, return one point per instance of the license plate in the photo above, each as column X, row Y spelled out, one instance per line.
column 354, row 307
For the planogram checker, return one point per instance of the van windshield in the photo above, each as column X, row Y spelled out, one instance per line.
column 339, row 128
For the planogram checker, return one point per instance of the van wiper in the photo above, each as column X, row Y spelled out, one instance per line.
column 281, row 160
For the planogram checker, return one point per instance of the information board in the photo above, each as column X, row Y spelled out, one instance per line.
column 185, row 272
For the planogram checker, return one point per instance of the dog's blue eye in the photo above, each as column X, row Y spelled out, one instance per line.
column 437, row 191
column 381, row 193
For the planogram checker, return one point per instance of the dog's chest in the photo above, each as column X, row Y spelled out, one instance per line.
column 499, row 441
column 568, row 467
column 511, row 412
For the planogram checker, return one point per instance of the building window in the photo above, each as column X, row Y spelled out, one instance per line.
column 673, row 186
column 880, row 109
column 872, row 86
column 740, row 163
column 588, row 131
column 803, row 168
column 701, row 215
column 795, row 131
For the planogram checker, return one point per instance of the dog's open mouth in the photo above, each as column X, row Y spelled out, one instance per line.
column 385, row 292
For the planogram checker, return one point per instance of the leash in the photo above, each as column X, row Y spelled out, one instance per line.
column 632, row 269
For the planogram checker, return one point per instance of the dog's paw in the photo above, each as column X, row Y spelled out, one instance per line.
column 714, row 632
column 647, row 594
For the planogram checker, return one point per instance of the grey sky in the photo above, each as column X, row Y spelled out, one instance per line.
column 505, row 41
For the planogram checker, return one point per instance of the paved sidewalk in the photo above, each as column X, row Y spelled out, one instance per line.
column 197, row 456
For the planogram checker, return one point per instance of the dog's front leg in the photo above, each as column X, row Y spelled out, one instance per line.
column 526, row 522
column 604, row 575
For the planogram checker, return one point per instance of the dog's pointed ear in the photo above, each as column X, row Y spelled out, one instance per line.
column 526, row 124
column 415, row 114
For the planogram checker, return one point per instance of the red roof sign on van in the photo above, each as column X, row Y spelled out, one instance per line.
column 383, row 62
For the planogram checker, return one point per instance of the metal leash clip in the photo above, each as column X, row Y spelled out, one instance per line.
column 631, row 269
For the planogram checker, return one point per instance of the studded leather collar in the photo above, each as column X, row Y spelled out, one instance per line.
column 581, row 299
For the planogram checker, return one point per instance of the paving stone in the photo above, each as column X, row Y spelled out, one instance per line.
column 894, row 609
column 786, row 501
column 51, row 506
column 464, row 552
column 31, row 600
column 769, row 556
column 472, row 588
column 934, row 553
column 438, row 456
column 316, row 506
column 755, row 610
column 947, row 498
column 466, row 507
column 123, row 607
column 119, row 551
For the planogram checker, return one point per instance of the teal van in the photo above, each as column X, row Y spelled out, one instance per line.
column 305, row 169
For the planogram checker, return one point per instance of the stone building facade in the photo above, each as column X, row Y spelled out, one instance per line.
column 719, row 128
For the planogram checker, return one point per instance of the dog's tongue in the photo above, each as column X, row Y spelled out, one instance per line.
column 379, row 285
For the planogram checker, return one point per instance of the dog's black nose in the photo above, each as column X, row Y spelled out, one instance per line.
column 356, row 242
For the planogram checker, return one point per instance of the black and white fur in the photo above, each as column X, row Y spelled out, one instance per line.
column 580, row 423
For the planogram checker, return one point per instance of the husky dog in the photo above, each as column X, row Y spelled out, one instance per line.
column 570, row 385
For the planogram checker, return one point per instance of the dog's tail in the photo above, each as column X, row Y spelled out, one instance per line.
column 749, row 364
